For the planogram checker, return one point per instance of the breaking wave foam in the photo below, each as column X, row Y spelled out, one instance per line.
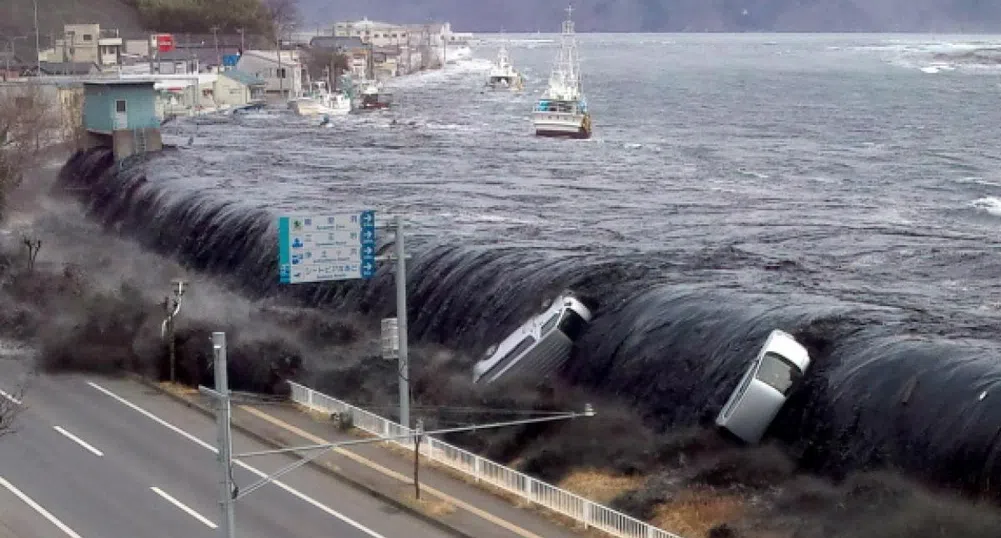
column 884, row 390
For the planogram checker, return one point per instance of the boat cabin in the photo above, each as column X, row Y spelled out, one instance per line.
column 570, row 107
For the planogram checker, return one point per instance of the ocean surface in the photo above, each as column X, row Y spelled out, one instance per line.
column 835, row 158
column 842, row 187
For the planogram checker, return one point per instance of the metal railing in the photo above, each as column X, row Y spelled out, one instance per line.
column 585, row 512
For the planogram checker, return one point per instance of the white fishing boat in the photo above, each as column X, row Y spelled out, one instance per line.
column 562, row 109
column 372, row 96
column 503, row 75
column 319, row 101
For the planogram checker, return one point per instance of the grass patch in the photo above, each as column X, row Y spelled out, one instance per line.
column 598, row 486
column 695, row 512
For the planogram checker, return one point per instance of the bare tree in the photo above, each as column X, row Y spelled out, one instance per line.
column 284, row 15
column 29, row 123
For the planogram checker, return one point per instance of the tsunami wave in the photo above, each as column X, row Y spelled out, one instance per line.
column 880, row 393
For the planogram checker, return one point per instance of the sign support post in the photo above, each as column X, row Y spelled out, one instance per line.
column 401, row 317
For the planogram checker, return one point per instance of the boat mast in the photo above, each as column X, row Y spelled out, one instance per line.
column 566, row 70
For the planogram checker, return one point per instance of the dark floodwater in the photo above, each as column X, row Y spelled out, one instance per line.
column 844, row 188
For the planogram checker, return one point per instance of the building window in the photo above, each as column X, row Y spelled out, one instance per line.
column 281, row 73
column 120, row 106
column 88, row 37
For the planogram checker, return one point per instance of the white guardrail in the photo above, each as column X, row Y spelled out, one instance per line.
column 585, row 512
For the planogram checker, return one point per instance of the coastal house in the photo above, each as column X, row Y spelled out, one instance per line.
column 386, row 62
column 377, row 34
column 234, row 88
column 195, row 59
column 284, row 73
column 356, row 51
column 121, row 115
column 87, row 43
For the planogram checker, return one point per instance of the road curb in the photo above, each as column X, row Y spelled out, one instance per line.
column 360, row 486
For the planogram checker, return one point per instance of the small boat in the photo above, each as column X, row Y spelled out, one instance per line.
column 320, row 101
column 371, row 97
column 503, row 75
column 562, row 109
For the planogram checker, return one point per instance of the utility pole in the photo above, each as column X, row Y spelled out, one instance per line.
column 281, row 76
column 225, row 454
column 38, row 50
column 215, row 39
column 240, row 29
column 401, row 316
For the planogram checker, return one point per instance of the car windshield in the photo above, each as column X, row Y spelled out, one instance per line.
column 778, row 372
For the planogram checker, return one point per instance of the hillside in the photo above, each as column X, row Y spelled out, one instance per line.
column 17, row 17
column 676, row 15
column 131, row 17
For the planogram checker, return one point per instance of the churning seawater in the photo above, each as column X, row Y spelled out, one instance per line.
column 844, row 188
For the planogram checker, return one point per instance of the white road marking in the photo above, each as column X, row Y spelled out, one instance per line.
column 294, row 492
column 184, row 507
column 38, row 508
column 79, row 441
column 14, row 400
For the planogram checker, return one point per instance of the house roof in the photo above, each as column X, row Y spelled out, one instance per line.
column 365, row 23
column 69, row 68
column 272, row 56
column 336, row 43
column 244, row 78
column 120, row 82
column 204, row 55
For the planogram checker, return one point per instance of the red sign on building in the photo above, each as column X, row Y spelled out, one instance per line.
column 164, row 42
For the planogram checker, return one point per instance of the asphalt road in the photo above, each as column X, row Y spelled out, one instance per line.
column 106, row 458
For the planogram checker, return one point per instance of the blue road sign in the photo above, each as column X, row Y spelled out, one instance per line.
column 317, row 248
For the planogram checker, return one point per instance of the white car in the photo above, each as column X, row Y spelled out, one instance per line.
column 776, row 370
column 538, row 347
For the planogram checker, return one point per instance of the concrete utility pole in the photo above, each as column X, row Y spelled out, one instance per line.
column 240, row 29
column 394, row 330
column 281, row 77
column 227, row 489
column 215, row 40
column 38, row 49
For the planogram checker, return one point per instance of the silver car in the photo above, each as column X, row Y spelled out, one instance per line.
column 540, row 346
column 776, row 370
